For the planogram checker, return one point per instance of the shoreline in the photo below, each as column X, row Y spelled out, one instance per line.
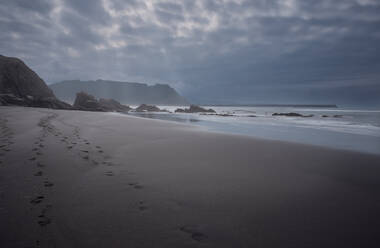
column 115, row 181
column 283, row 130
column 199, row 128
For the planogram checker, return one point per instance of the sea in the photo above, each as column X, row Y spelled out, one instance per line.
column 339, row 128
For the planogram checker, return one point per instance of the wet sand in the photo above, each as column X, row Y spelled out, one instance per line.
column 86, row 179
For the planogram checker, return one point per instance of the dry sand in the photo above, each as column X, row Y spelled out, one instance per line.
column 83, row 179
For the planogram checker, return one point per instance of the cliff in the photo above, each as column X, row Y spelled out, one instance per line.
column 124, row 92
column 19, row 85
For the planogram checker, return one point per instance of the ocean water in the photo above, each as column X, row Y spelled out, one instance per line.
column 357, row 130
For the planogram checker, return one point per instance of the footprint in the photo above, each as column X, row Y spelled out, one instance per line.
column 136, row 185
column 108, row 173
column 38, row 174
column 37, row 199
column 48, row 184
column 32, row 159
column 195, row 235
column 39, row 153
column 84, row 151
column 40, row 165
column 86, row 157
column 69, row 147
column 107, row 163
column 142, row 206
column 44, row 221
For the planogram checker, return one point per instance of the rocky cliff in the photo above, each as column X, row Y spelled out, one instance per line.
column 124, row 92
column 19, row 85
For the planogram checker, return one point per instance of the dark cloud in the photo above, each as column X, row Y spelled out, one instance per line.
column 232, row 51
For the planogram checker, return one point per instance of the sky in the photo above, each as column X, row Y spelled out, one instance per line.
column 211, row 51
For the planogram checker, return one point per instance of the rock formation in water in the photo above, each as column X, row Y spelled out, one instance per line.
column 87, row 102
column 148, row 108
column 214, row 114
column 113, row 105
column 19, row 85
column 124, row 92
column 194, row 109
column 291, row 114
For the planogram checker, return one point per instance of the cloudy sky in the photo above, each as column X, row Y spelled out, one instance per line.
column 211, row 51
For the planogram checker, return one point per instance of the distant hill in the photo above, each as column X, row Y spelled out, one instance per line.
column 124, row 92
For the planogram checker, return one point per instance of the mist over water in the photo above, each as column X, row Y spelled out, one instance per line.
column 357, row 130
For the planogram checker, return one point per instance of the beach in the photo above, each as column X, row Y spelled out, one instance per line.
column 90, row 179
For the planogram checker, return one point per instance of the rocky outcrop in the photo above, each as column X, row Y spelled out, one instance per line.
column 335, row 116
column 194, row 109
column 147, row 108
column 113, row 105
column 84, row 101
column 214, row 114
column 291, row 114
column 19, row 85
column 87, row 102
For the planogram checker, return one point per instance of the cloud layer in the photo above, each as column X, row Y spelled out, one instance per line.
column 220, row 51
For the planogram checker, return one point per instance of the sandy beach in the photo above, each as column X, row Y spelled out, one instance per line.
column 88, row 179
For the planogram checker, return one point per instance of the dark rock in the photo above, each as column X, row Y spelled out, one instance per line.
column 194, row 109
column 113, row 105
column 179, row 110
column 50, row 102
column 324, row 116
column 291, row 114
column 287, row 114
column 84, row 101
column 19, row 85
column 223, row 115
column 87, row 102
column 147, row 108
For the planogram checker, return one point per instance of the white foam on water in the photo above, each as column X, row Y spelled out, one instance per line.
column 352, row 129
